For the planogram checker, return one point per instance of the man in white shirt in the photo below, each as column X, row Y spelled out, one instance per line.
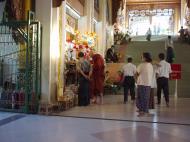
column 169, row 42
column 129, row 71
column 163, row 73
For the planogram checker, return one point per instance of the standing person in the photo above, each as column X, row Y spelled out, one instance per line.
column 110, row 54
column 84, row 69
column 170, row 55
column 153, row 87
column 182, row 33
column 169, row 50
column 148, row 35
column 129, row 71
column 169, row 42
column 163, row 73
column 97, row 77
column 144, row 81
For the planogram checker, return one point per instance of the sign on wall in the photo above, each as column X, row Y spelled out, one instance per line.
column 176, row 72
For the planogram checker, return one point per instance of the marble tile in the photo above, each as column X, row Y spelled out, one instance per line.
column 4, row 115
column 140, row 133
column 33, row 128
column 178, row 112
column 113, row 121
column 10, row 119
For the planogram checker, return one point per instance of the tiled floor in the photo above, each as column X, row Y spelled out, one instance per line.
column 33, row 128
column 112, row 122
column 178, row 112
column 4, row 115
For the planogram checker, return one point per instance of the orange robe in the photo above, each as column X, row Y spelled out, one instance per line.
column 98, row 76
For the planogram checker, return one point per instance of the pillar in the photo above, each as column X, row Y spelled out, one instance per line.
column 177, row 19
column 102, row 27
column 89, row 12
column 182, row 16
column 62, row 49
column 44, row 15
column 54, row 53
column 127, row 17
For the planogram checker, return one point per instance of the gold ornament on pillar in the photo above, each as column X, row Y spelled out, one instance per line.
column 27, row 7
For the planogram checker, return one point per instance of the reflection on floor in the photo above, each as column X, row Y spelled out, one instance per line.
column 34, row 128
column 111, row 122
column 113, row 108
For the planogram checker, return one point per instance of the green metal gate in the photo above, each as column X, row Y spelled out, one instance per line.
column 20, row 65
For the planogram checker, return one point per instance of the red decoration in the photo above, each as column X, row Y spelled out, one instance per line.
column 80, row 46
column 68, row 40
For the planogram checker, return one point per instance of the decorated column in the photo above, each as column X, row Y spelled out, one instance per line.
column 62, row 50
column 183, row 8
column 177, row 19
column 44, row 15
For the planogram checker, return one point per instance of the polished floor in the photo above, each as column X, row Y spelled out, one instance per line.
column 111, row 122
column 113, row 108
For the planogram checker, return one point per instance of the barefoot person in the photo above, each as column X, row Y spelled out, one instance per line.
column 97, row 78
column 144, row 81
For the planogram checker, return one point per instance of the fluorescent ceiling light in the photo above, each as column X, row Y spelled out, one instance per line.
column 95, row 21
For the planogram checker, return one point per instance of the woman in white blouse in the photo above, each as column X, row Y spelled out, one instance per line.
column 144, row 82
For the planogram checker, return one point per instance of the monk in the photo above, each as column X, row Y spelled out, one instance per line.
column 97, row 78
